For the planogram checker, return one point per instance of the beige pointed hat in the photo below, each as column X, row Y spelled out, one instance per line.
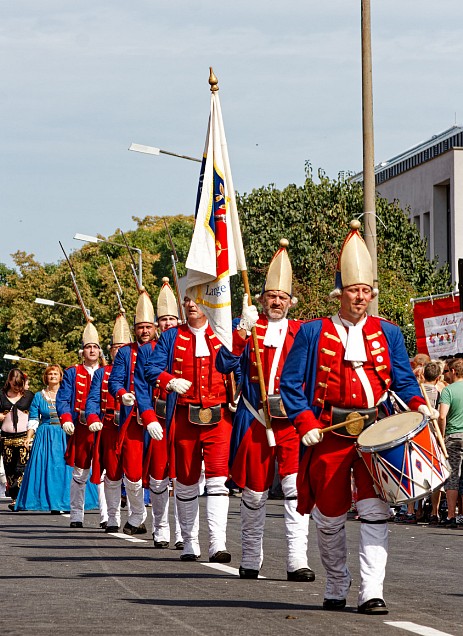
column 354, row 264
column 121, row 331
column 145, row 310
column 280, row 272
column 90, row 335
column 167, row 303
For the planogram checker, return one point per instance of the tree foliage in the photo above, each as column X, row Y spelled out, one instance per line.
column 314, row 218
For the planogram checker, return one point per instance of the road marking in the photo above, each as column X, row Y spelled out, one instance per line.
column 417, row 629
column 226, row 568
column 126, row 537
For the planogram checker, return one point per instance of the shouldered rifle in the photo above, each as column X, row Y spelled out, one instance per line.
column 119, row 292
column 85, row 311
column 174, row 259
column 139, row 287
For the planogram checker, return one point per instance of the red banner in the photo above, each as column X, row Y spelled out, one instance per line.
column 439, row 326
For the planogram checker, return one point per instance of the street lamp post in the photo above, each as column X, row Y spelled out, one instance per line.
column 9, row 356
column 151, row 150
column 52, row 303
column 94, row 239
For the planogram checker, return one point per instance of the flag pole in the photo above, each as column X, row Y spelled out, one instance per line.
column 214, row 84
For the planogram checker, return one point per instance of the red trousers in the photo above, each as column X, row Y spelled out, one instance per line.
column 324, row 477
column 254, row 463
column 193, row 443
column 156, row 460
column 80, row 447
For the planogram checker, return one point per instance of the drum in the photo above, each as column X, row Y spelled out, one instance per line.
column 403, row 457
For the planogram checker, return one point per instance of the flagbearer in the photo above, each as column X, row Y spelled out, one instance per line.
column 152, row 406
column 183, row 364
column 103, row 415
column 70, row 406
column 253, row 460
column 131, row 431
column 343, row 365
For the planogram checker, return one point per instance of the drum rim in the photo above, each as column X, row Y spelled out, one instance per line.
column 396, row 442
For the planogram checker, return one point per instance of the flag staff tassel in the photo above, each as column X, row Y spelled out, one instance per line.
column 214, row 84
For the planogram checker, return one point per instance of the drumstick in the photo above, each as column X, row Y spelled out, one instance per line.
column 434, row 421
column 354, row 425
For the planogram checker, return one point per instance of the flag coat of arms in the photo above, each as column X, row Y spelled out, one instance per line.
column 216, row 250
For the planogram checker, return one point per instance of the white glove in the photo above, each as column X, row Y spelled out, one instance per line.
column 312, row 437
column 249, row 315
column 179, row 385
column 423, row 409
column 68, row 428
column 155, row 431
column 96, row 426
column 128, row 399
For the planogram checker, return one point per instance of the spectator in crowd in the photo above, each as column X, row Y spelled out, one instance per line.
column 451, row 425
column 15, row 402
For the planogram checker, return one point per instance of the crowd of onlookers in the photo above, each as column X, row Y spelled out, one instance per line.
column 25, row 417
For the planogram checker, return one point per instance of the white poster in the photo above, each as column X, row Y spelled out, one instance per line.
column 444, row 334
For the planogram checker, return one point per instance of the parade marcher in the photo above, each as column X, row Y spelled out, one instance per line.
column 152, row 405
column 131, row 431
column 253, row 460
column 346, row 364
column 70, row 406
column 103, row 417
column 15, row 402
column 183, row 364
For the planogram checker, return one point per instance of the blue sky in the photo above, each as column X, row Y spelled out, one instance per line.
column 82, row 80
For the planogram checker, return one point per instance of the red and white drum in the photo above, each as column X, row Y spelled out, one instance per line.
column 403, row 457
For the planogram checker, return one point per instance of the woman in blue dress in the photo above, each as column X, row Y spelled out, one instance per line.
column 47, row 478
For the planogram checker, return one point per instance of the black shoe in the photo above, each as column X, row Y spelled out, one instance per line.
column 76, row 524
column 245, row 573
column 111, row 529
column 104, row 525
column 129, row 529
column 373, row 606
column 222, row 556
column 11, row 506
column 451, row 523
column 302, row 575
column 334, row 604
column 161, row 545
column 55, row 512
column 189, row 557
column 179, row 545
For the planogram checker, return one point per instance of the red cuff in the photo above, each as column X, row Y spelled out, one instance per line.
column 306, row 421
column 92, row 418
column 164, row 379
column 239, row 343
column 148, row 417
column 120, row 393
column 66, row 417
column 415, row 402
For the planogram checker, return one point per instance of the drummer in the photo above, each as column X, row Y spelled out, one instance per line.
column 338, row 366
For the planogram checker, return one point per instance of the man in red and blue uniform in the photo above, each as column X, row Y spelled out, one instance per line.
column 183, row 364
column 70, row 406
column 131, row 431
column 103, row 415
column 252, row 458
column 347, row 364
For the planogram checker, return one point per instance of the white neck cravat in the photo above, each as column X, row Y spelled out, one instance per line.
column 201, row 350
column 275, row 333
column 90, row 370
column 355, row 346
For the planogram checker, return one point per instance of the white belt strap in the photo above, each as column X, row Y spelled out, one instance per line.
column 259, row 416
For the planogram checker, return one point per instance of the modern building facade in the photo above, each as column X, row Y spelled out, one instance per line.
column 427, row 180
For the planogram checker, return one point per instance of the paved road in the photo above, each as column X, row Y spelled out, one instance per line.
column 57, row 580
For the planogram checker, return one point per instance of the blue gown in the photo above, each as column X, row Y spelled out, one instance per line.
column 47, row 479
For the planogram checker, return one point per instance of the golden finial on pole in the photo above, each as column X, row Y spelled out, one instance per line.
column 213, row 81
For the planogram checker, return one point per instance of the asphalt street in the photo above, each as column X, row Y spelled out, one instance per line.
column 58, row 580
